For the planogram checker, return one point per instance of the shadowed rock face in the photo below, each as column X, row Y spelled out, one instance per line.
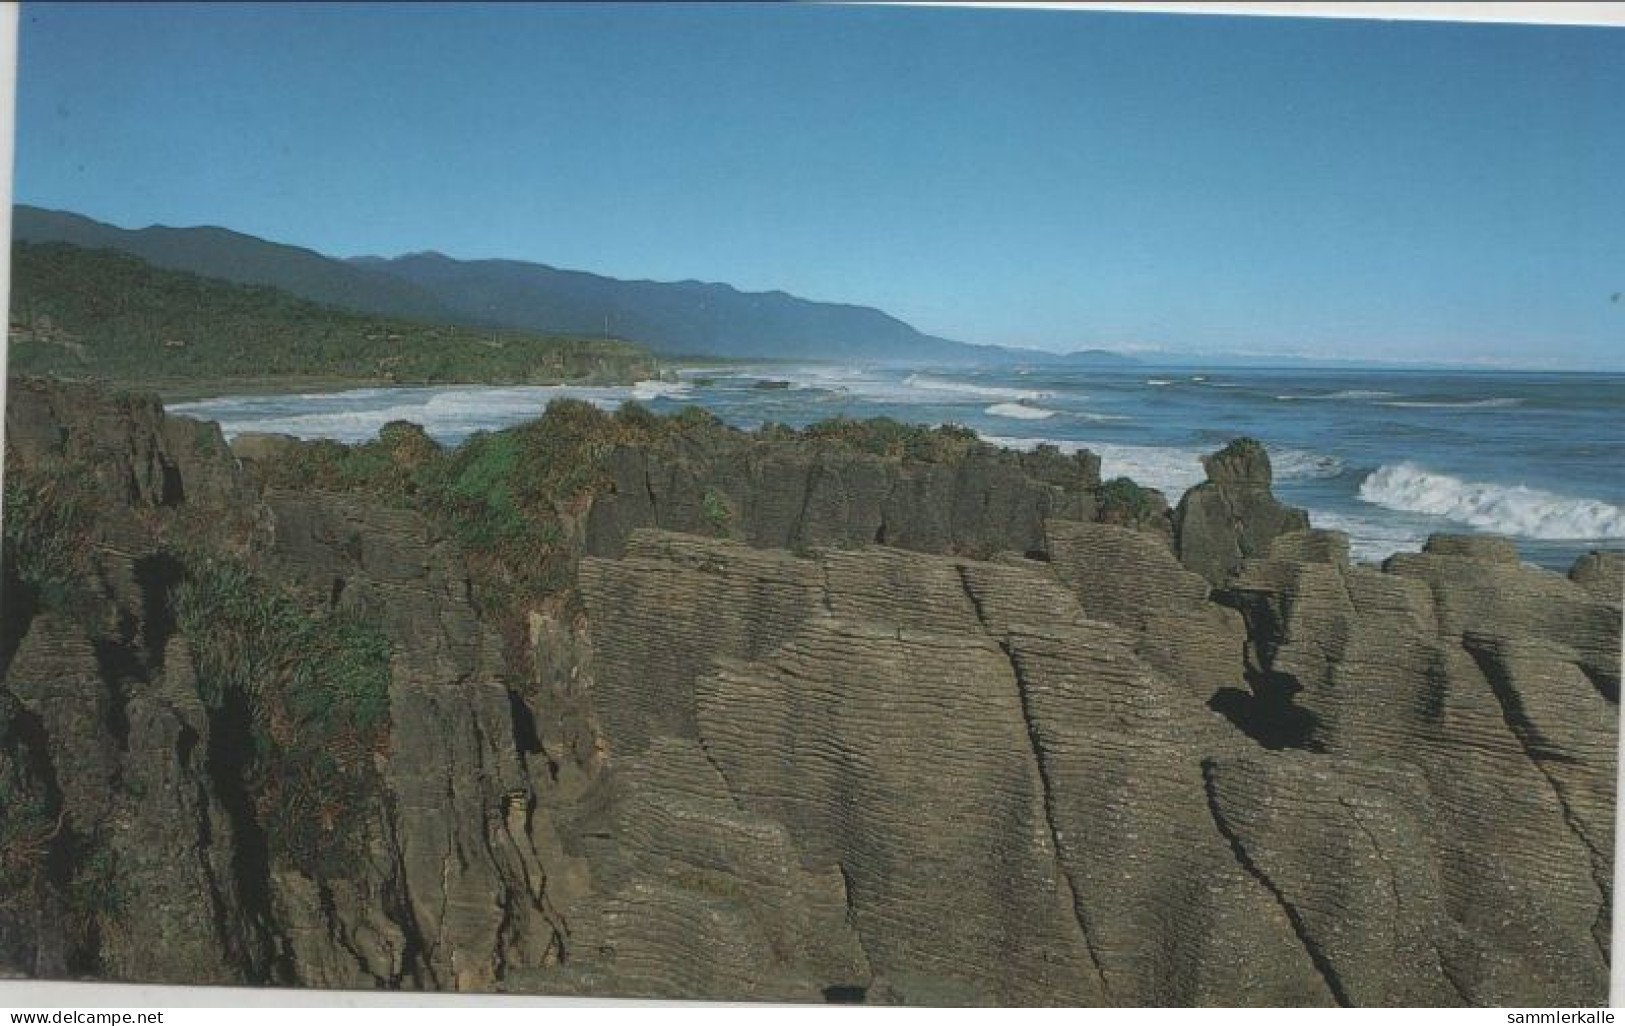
column 1231, row 516
column 1489, row 683
column 795, row 496
column 795, row 764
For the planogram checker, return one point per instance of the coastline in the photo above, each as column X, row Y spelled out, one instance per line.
column 1378, row 483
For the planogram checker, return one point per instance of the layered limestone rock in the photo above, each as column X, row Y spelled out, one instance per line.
column 1127, row 578
column 145, row 790
column 796, row 495
column 1231, row 516
column 815, row 724
column 134, row 453
column 1337, row 842
column 693, row 893
column 1414, row 667
column 921, row 775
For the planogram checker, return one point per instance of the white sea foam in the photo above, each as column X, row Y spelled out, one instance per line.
column 1503, row 509
column 839, row 383
column 343, row 394
column 1371, row 539
column 723, row 370
column 914, row 389
column 1301, row 464
column 1168, row 469
column 926, row 383
column 1158, row 381
column 1460, row 404
column 1345, row 394
column 643, row 391
column 812, row 375
column 355, row 416
column 1173, row 469
column 1019, row 411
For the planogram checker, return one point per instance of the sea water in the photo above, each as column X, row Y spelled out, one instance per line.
column 1387, row 456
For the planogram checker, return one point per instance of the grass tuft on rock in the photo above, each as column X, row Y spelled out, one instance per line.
column 883, row 436
column 1243, row 446
column 315, row 683
column 48, row 517
column 1122, row 501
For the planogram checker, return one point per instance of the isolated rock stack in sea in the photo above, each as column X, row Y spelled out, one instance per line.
column 823, row 725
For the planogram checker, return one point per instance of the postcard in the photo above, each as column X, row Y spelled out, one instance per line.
column 814, row 503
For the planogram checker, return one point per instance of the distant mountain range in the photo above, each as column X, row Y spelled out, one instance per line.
column 686, row 318
column 234, row 257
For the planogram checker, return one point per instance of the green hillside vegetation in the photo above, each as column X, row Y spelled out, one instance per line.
column 103, row 315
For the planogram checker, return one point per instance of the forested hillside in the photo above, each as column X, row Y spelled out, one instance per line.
column 106, row 315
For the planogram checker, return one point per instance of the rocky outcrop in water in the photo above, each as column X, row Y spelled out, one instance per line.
column 810, row 723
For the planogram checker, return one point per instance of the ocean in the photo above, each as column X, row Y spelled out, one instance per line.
column 1387, row 456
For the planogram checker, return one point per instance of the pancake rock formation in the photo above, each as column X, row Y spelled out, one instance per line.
column 884, row 729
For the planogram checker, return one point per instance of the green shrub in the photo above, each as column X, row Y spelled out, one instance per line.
column 883, row 436
column 316, row 686
column 1124, row 502
column 1243, row 446
column 690, row 417
column 716, row 512
column 27, row 830
column 36, row 842
column 473, row 490
column 207, row 435
column 636, row 415
column 47, row 529
column 95, row 892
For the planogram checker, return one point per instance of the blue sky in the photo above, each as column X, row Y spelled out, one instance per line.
column 1053, row 179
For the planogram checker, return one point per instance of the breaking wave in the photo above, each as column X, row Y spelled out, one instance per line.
column 1357, row 393
column 929, row 384
column 1503, row 509
column 1019, row 411
column 1345, row 394
column 1459, row 404
column 646, row 390
column 1372, row 538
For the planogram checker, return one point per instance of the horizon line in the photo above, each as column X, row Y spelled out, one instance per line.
column 1129, row 350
